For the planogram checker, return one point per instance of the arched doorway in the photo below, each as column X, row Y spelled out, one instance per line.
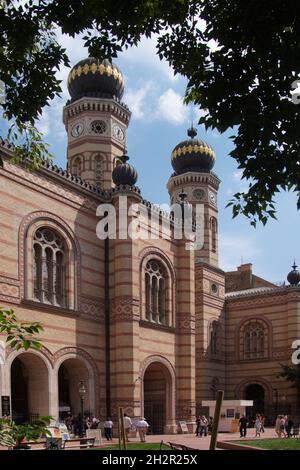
column 29, row 388
column 256, row 393
column 158, row 397
column 70, row 373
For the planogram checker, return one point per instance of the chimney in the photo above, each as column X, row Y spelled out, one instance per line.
column 245, row 271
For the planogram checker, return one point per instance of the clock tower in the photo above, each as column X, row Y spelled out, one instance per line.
column 96, row 121
column 193, row 160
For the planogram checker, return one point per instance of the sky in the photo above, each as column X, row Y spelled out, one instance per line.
column 159, row 122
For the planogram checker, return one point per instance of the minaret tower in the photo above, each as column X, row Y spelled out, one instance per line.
column 96, row 120
column 193, row 160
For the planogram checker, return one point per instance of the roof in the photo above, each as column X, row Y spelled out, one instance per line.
column 255, row 291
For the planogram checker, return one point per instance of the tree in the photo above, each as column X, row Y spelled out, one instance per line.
column 292, row 374
column 243, row 84
column 12, row 434
column 19, row 334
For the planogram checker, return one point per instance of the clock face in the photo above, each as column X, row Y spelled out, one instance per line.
column 212, row 198
column 199, row 194
column 77, row 129
column 118, row 132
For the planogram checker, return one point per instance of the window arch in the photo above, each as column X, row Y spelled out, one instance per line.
column 49, row 267
column 254, row 340
column 155, row 283
column 77, row 166
column 213, row 226
column 214, row 339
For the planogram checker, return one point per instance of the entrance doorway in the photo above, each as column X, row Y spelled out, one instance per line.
column 29, row 388
column 155, row 396
column 71, row 372
column 256, row 393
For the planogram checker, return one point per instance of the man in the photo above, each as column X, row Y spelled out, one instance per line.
column 127, row 425
column 108, row 426
column 142, row 427
column 243, row 426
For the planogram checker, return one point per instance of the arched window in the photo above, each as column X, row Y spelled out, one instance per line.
column 214, row 338
column 76, row 166
column 155, row 280
column 213, row 234
column 98, row 171
column 254, row 340
column 49, row 274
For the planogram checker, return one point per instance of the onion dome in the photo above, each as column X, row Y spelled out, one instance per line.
column 124, row 173
column 294, row 276
column 193, row 155
column 95, row 78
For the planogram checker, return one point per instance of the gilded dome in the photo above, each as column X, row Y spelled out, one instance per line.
column 193, row 155
column 94, row 78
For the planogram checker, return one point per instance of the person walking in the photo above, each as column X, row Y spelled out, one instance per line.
column 197, row 426
column 243, row 421
column 127, row 426
column 258, row 426
column 203, row 426
column 142, row 427
column 108, row 427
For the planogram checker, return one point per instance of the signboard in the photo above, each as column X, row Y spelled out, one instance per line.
column 96, row 433
column 183, row 426
column 55, row 431
column 234, row 426
column 5, row 405
column 230, row 412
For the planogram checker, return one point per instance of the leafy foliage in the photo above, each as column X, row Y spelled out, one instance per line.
column 291, row 374
column 19, row 334
column 243, row 82
column 13, row 434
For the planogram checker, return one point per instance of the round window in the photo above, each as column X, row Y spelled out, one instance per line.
column 98, row 127
column 214, row 288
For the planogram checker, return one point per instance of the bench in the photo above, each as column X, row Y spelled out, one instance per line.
column 81, row 443
column 176, row 446
column 53, row 443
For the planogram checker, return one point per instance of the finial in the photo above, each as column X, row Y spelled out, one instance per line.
column 124, row 158
column 192, row 132
column 294, row 276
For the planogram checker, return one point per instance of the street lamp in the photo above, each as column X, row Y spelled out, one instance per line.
column 276, row 400
column 82, row 393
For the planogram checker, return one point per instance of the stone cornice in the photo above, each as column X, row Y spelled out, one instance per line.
column 203, row 264
column 194, row 177
column 113, row 107
column 63, row 176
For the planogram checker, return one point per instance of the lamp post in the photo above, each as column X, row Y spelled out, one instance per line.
column 82, row 393
column 276, row 400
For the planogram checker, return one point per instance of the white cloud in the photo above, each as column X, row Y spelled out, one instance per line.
column 43, row 124
column 171, row 107
column 237, row 175
column 145, row 55
column 236, row 249
column 136, row 99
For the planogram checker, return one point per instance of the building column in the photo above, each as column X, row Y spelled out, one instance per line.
column 53, row 394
